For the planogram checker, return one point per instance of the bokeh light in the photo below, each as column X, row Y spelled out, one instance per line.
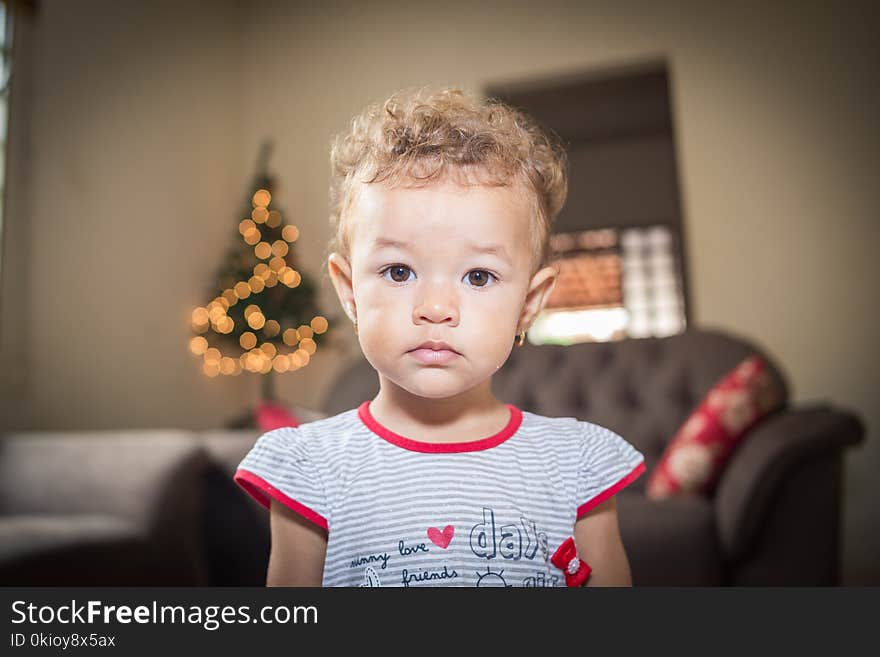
column 247, row 340
column 261, row 197
column 242, row 290
column 290, row 337
column 263, row 250
column 260, row 214
column 198, row 345
column 252, row 236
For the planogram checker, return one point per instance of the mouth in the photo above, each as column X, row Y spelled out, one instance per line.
column 434, row 352
column 428, row 356
column 435, row 345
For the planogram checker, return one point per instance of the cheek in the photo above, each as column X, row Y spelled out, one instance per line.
column 499, row 309
column 375, row 300
column 384, row 317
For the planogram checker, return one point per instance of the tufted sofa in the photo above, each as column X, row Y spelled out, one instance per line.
column 159, row 506
column 774, row 518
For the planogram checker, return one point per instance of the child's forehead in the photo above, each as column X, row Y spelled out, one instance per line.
column 443, row 209
column 440, row 217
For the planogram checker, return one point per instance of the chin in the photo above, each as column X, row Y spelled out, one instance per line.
column 430, row 387
column 434, row 391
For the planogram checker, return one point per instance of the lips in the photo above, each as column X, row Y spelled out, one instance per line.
column 436, row 345
column 434, row 352
column 434, row 356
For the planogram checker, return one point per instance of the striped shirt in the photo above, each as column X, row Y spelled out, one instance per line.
column 402, row 512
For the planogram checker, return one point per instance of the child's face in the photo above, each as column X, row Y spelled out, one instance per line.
column 438, row 288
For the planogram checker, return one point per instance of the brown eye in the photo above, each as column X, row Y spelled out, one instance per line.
column 479, row 277
column 399, row 273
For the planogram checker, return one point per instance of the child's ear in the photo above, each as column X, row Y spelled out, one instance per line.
column 540, row 287
column 340, row 275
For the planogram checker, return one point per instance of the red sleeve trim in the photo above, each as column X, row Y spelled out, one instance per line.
column 261, row 490
column 608, row 492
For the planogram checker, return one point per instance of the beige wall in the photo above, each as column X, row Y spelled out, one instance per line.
column 143, row 121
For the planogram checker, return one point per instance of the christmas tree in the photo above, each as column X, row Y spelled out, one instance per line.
column 264, row 318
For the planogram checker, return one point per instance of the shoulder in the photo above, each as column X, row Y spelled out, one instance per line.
column 560, row 435
column 580, row 432
column 597, row 440
column 587, row 439
column 594, row 435
column 557, row 426
column 332, row 425
column 309, row 439
column 608, row 458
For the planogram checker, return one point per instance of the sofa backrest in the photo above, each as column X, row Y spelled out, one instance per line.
column 131, row 474
column 641, row 388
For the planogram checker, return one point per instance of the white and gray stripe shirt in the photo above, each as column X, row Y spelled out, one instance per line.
column 402, row 512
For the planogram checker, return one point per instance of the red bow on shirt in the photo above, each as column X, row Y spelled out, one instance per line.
column 566, row 559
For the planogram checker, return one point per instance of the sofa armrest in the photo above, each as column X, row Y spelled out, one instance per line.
column 760, row 464
column 152, row 478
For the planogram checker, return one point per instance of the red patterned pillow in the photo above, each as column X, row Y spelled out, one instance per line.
column 695, row 458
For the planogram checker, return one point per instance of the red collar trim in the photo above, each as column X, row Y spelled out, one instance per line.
column 422, row 446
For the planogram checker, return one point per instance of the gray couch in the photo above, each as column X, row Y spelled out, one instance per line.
column 101, row 508
column 160, row 507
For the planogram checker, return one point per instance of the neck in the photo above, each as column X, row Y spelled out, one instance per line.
column 403, row 407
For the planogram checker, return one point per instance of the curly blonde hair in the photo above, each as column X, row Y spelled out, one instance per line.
column 418, row 136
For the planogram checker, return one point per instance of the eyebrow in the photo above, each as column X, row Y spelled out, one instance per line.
column 492, row 249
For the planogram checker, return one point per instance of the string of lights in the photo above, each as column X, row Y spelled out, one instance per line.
column 265, row 357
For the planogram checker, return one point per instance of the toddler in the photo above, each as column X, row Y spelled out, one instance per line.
column 442, row 206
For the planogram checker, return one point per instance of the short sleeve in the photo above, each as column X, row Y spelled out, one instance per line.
column 278, row 466
column 608, row 463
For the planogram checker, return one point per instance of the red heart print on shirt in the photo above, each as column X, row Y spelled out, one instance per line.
column 441, row 539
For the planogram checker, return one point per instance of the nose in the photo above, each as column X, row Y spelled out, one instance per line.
column 437, row 304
